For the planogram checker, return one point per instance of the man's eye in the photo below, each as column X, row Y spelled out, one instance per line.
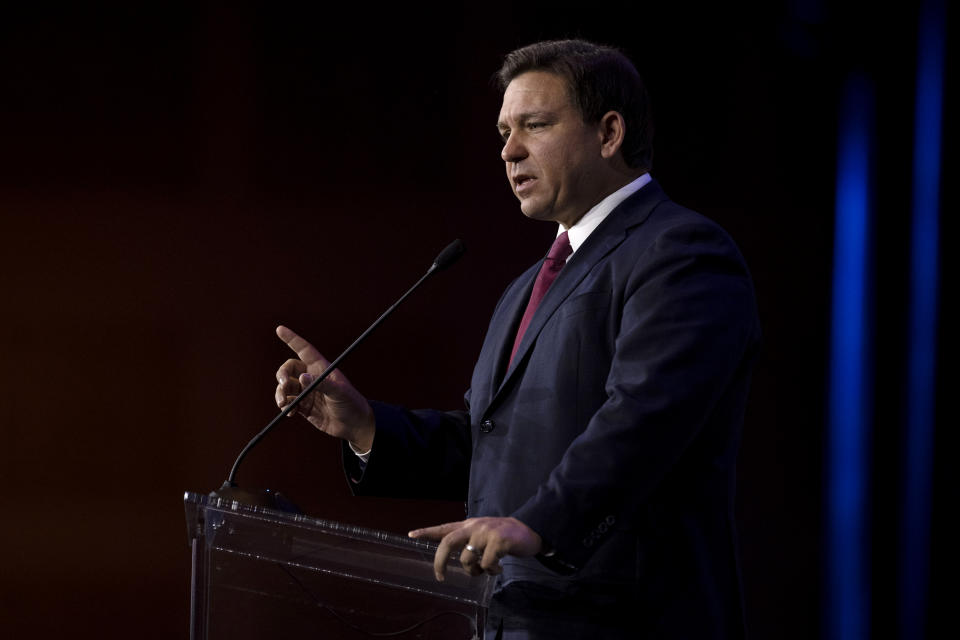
column 536, row 125
column 504, row 134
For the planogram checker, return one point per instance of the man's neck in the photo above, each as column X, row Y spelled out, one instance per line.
column 589, row 221
column 613, row 187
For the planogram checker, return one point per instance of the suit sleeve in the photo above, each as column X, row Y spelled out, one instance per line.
column 416, row 454
column 687, row 332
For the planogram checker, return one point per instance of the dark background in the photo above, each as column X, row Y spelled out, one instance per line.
column 177, row 179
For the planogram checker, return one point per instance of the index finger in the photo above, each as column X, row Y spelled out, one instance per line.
column 437, row 532
column 304, row 350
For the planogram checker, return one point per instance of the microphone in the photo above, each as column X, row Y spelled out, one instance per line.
column 274, row 500
column 447, row 257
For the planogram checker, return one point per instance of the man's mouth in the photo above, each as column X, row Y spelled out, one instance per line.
column 523, row 183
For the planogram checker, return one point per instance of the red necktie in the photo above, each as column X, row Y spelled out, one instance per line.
column 552, row 264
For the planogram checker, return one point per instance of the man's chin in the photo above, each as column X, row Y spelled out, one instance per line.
column 534, row 212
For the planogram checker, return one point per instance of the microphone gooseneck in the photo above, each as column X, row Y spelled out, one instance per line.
column 447, row 257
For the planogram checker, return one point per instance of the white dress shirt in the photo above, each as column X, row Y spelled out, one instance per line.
column 582, row 229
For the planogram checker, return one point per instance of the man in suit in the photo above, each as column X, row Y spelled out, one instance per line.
column 597, row 455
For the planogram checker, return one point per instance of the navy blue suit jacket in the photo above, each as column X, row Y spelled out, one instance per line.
column 614, row 432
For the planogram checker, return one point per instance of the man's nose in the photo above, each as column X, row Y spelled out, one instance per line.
column 513, row 149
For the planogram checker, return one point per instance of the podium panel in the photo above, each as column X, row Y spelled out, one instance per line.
column 260, row 573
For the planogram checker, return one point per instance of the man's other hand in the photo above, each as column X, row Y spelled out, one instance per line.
column 335, row 406
column 488, row 539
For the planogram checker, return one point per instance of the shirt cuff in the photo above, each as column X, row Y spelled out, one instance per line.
column 363, row 455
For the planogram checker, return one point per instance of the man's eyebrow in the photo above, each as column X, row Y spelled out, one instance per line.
column 530, row 115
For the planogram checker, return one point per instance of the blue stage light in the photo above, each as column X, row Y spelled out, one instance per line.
column 922, row 323
column 847, row 594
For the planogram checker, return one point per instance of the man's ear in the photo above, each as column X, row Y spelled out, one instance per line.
column 612, row 129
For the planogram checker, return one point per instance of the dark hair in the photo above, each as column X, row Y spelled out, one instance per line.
column 600, row 79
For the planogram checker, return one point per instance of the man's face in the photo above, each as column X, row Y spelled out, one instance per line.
column 552, row 156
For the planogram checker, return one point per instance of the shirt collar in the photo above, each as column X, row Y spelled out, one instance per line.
column 579, row 232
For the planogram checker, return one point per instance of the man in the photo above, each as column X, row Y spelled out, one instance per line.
column 597, row 456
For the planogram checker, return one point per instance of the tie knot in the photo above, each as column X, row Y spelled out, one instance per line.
column 561, row 249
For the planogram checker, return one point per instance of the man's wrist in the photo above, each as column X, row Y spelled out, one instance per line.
column 364, row 434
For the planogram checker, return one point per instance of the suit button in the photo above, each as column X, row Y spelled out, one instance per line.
column 486, row 426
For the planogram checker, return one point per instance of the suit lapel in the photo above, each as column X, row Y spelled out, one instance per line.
column 604, row 239
column 506, row 331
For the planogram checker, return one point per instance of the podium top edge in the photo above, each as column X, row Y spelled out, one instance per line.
column 203, row 501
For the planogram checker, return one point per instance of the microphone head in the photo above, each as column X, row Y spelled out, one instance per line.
column 449, row 255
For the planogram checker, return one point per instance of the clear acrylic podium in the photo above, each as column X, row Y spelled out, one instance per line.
column 259, row 573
